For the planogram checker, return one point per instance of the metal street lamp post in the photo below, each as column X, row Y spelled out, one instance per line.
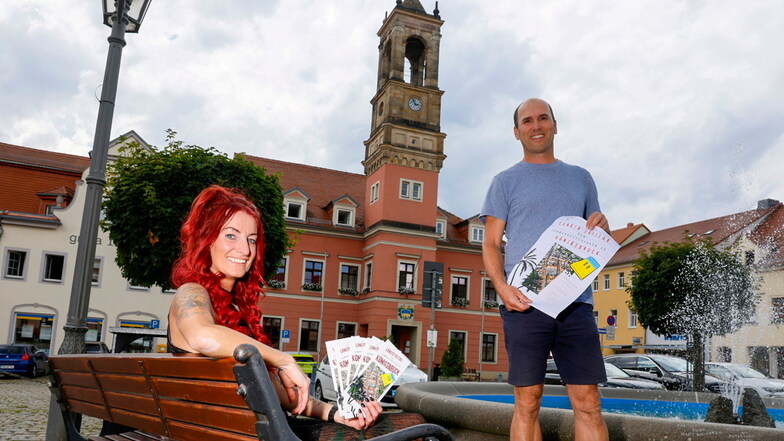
column 122, row 16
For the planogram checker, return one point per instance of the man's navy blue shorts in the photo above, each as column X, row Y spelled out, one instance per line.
column 572, row 337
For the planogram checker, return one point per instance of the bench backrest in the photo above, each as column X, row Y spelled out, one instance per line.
column 181, row 396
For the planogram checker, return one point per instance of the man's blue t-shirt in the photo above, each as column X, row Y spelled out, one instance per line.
column 529, row 197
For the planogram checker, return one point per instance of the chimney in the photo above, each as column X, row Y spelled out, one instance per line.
column 764, row 204
column 629, row 224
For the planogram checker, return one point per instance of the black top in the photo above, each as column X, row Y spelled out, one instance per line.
column 170, row 347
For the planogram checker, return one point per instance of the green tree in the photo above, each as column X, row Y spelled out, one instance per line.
column 693, row 289
column 452, row 360
column 149, row 193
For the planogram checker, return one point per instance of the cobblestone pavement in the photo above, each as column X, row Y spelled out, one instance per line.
column 24, row 410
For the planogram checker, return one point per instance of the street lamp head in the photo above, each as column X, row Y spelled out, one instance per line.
column 133, row 10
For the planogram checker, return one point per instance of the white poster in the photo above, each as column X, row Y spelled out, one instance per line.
column 27, row 331
column 562, row 264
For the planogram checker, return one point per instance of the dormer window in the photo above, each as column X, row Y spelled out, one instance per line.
column 295, row 210
column 344, row 218
column 477, row 234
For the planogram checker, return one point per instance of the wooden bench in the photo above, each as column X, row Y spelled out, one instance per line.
column 182, row 397
column 470, row 374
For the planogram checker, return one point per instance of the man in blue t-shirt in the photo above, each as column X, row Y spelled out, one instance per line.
column 521, row 203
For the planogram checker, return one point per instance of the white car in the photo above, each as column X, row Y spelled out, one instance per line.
column 325, row 388
column 746, row 377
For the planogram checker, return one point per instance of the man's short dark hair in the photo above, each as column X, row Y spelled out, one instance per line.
column 518, row 106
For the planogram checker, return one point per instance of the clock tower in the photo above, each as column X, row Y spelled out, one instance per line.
column 405, row 150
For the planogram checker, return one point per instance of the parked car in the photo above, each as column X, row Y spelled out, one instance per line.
column 743, row 377
column 96, row 347
column 325, row 388
column 672, row 372
column 615, row 378
column 23, row 359
column 305, row 361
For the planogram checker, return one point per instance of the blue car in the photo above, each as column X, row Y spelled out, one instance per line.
column 23, row 359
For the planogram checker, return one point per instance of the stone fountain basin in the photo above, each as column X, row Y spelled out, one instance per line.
column 469, row 419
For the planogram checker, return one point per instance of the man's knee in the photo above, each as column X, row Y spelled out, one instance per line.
column 585, row 399
column 528, row 399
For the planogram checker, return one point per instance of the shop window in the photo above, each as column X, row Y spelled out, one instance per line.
column 34, row 329
column 94, row 329
column 141, row 345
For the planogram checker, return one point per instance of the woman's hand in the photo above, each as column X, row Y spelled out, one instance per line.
column 296, row 385
column 367, row 416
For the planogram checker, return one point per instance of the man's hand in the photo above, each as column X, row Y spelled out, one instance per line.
column 514, row 299
column 597, row 219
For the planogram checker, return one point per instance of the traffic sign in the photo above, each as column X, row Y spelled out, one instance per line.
column 285, row 335
column 611, row 333
column 155, row 324
column 611, row 320
column 602, row 330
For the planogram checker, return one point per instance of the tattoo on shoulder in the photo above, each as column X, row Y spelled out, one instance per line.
column 191, row 300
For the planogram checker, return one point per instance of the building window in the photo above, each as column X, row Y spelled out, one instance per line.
column 54, row 266
column 141, row 344
column 595, row 285
column 309, row 336
column 606, row 282
column 344, row 218
column 460, row 336
column 405, row 275
column 749, row 257
column 94, row 329
column 490, row 295
column 777, row 310
column 15, row 261
column 295, row 210
column 368, row 275
column 349, row 279
column 346, row 330
column 596, row 317
column 614, row 313
column 459, row 288
column 441, row 229
column 272, row 327
column 278, row 280
column 138, row 287
column 411, row 190
column 621, row 280
column 97, row 271
column 477, row 234
column 313, row 272
column 489, row 348
column 632, row 318
column 374, row 192
column 34, row 329
column 724, row 354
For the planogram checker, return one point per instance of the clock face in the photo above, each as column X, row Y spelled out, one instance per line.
column 414, row 103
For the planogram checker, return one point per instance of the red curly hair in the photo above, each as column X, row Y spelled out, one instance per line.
column 210, row 211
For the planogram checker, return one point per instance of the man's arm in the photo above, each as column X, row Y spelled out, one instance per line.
column 513, row 299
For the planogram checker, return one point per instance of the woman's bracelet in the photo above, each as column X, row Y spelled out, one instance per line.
column 332, row 412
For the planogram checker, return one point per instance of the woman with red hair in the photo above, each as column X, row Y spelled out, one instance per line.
column 218, row 278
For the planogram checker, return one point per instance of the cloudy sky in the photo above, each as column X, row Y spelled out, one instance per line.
column 676, row 107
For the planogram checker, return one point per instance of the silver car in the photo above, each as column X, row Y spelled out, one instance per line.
column 745, row 377
column 325, row 387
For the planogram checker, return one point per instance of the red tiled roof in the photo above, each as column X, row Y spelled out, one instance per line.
column 717, row 229
column 322, row 185
column 769, row 235
column 42, row 158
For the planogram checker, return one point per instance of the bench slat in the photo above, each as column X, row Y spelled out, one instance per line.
column 210, row 392
column 123, row 383
column 140, row 421
column 91, row 395
column 137, row 403
column 83, row 379
column 190, row 432
column 197, row 367
column 91, row 409
column 237, row 420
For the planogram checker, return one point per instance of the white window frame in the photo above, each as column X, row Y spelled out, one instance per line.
column 477, row 234
column 374, row 192
column 484, row 290
column 442, row 230
column 351, row 215
column 44, row 260
column 596, row 317
column 304, row 270
column 465, row 341
column 98, row 263
column 303, row 209
column 606, row 282
column 359, row 275
column 137, row 288
column 286, row 272
column 339, row 322
column 482, row 348
column 595, row 284
column 368, row 280
column 632, row 319
column 452, row 286
column 282, row 327
column 397, row 272
column 410, row 186
column 621, row 279
column 318, row 333
column 6, row 263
